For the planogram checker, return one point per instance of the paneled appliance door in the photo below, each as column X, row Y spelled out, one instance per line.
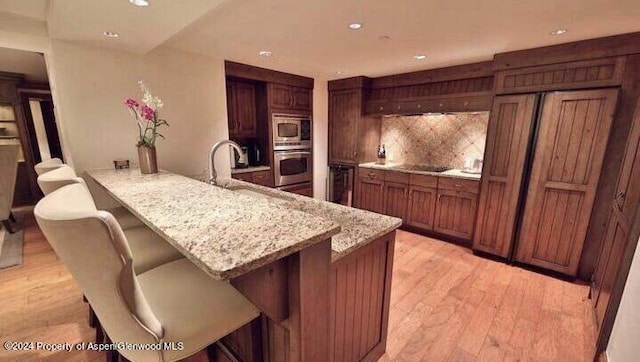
column 569, row 150
column 510, row 128
column 292, row 167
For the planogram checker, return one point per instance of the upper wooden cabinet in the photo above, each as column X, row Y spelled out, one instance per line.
column 353, row 138
column 286, row 97
column 510, row 127
column 572, row 137
column 241, row 109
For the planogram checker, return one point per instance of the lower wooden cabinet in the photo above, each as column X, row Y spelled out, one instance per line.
column 421, row 206
column 396, row 196
column 264, row 178
column 456, row 213
column 442, row 204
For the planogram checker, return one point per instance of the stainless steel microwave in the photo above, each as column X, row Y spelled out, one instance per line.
column 291, row 132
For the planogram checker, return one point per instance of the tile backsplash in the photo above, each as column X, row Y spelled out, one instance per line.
column 435, row 139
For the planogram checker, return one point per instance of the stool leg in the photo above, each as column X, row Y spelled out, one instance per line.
column 99, row 333
column 7, row 225
column 11, row 217
column 112, row 356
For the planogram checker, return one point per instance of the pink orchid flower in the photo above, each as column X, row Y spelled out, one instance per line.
column 147, row 112
column 130, row 102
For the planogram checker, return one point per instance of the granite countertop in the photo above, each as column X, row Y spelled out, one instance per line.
column 235, row 171
column 358, row 227
column 223, row 232
column 453, row 173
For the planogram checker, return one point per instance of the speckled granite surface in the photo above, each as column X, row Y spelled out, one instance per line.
column 454, row 173
column 224, row 232
column 359, row 227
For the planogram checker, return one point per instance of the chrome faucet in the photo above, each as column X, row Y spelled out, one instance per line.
column 212, row 153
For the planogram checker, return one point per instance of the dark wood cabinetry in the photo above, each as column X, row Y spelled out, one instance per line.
column 264, row 178
column 572, row 137
column 614, row 259
column 510, row 128
column 290, row 98
column 241, row 109
column 353, row 138
column 455, row 213
column 442, row 204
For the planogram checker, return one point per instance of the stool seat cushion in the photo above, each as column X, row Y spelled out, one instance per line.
column 192, row 307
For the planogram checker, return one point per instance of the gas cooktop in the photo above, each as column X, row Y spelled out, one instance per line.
column 427, row 168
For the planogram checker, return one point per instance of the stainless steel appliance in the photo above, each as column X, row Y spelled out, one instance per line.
column 341, row 184
column 291, row 132
column 292, row 167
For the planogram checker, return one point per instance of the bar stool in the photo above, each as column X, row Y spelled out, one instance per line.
column 8, row 175
column 47, row 165
column 63, row 174
column 174, row 302
column 148, row 248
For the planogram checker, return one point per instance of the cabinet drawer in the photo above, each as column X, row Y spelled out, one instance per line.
column 457, row 184
column 423, row 180
column 245, row 176
column 396, row 176
column 371, row 174
column 263, row 178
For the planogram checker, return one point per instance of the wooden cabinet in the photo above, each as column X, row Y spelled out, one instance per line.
column 455, row 213
column 286, row 97
column 510, row 128
column 305, row 189
column 421, row 206
column 264, row 178
column 572, row 137
column 353, row 138
column 624, row 207
column 370, row 190
column 442, row 204
column 241, row 109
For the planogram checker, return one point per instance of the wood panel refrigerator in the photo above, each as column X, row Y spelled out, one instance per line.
column 542, row 164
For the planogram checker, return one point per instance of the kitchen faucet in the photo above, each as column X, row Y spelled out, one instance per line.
column 212, row 153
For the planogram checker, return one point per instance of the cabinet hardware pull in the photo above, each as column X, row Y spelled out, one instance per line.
column 458, row 185
column 372, row 175
column 621, row 195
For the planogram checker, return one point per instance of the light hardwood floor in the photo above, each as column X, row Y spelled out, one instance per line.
column 446, row 304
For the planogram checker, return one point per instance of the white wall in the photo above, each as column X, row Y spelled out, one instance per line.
column 624, row 343
column 90, row 84
column 320, row 138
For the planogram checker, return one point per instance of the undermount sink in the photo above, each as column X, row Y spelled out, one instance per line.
column 254, row 192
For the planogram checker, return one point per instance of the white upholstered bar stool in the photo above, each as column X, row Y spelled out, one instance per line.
column 175, row 302
column 148, row 248
column 8, row 175
column 47, row 165
column 64, row 174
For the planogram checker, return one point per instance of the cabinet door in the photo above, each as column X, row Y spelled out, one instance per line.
column 264, row 178
column 231, row 108
column 280, row 96
column 245, row 112
column 371, row 195
column 421, row 206
column 456, row 213
column 510, row 128
column 624, row 206
column 395, row 199
column 573, row 133
column 301, row 99
column 345, row 109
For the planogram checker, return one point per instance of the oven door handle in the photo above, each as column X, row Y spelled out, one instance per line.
column 286, row 155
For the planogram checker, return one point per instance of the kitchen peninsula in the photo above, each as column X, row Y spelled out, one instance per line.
column 297, row 259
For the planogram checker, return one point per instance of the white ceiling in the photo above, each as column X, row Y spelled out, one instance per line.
column 141, row 28
column 36, row 9
column 30, row 64
column 310, row 37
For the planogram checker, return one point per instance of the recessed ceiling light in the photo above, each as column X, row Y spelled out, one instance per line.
column 558, row 31
column 419, row 56
column 110, row 34
column 265, row 53
column 140, row 2
column 355, row 26
column 339, row 72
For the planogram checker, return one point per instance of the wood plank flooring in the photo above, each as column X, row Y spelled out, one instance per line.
column 446, row 305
